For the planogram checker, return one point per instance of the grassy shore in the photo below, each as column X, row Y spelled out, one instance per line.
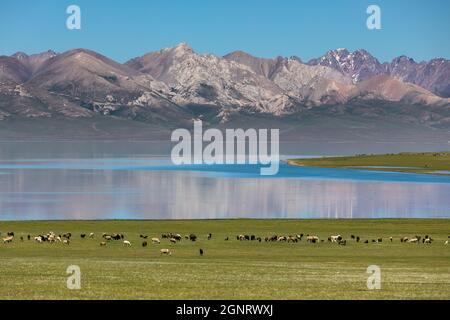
column 229, row 269
column 431, row 162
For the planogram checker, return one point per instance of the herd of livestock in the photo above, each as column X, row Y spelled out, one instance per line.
column 174, row 238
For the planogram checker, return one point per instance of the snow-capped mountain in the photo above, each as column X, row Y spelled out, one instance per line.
column 433, row 75
column 358, row 65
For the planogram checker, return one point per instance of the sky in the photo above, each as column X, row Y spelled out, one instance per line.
column 123, row 29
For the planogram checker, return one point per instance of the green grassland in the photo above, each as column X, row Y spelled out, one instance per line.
column 427, row 162
column 229, row 269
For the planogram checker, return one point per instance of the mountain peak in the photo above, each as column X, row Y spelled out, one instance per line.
column 183, row 47
column 359, row 64
column 20, row 55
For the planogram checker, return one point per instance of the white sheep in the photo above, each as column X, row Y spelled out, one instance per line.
column 127, row 243
column 166, row 251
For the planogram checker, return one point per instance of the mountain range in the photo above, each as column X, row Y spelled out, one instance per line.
column 173, row 86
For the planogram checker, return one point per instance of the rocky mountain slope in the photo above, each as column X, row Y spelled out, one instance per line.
column 173, row 86
column 360, row 65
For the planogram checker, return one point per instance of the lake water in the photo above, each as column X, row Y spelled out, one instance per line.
column 64, row 181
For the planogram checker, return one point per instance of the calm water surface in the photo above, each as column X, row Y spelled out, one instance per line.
column 64, row 182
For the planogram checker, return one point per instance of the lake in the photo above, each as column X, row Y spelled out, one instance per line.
column 105, row 181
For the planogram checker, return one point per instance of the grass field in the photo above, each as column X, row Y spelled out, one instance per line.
column 229, row 269
column 431, row 162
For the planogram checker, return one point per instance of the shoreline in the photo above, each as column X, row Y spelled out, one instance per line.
column 430, row 163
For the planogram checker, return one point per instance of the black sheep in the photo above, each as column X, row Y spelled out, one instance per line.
column 201, row 252
column 144, row 244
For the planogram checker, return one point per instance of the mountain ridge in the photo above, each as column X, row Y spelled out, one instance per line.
column 177, row 85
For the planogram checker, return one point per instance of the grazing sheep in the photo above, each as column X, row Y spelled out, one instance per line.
column 192, row 237
column 390, row 238
column 357, row 239
column 173, row 240
column 66, row 241
column 226, row 239
column 83, row 235
column 10, row 234
column 428, row 240
column 38, row 239
column 127, row 243
column 91, row 235
column 413, row 240
column 201, row 252
column 335, row 239
column 67, row 235
column 259, row 239
column 21, row 238
column 404, row 239
column 177, row 237
column 446, row 242
column 312, row 239
column 8, row 239
column 117, row 236
column 241, row 237
column 209, row 236
column 109, row 238
column 156, row 240
column 143, row 236
column 252, row 237
column 28, row 237
column 165, row 251
column 342, row 242
column 103, row 244
column 367, row 241
column 144, row 244
column 379, row 240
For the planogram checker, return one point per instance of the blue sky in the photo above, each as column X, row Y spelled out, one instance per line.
column 124, row 29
